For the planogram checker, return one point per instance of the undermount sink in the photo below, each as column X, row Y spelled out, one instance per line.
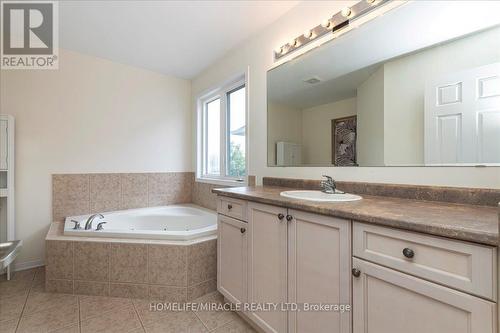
column 321, row 196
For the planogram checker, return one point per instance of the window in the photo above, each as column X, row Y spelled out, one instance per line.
column 222, row 133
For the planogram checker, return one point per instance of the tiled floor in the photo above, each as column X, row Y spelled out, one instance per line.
column 26, row 307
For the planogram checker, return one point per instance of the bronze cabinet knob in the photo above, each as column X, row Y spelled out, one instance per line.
column 408, row 253
column 356, row 272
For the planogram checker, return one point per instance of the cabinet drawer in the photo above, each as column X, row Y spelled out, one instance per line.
column 233, row 208
column 456, row 264
column 388, row 301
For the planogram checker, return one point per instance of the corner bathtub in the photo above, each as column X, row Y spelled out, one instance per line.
column 176, row 222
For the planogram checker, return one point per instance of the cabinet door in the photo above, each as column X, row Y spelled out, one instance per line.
column 267, row 264
column 387, row 301
column 3, row 144
column 232, row 259
column 319, row 271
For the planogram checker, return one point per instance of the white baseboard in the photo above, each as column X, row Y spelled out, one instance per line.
column 21, row 266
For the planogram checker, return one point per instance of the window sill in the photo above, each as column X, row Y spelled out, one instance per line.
column 222, row 182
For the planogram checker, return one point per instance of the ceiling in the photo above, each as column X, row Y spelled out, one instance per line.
column 179, row 38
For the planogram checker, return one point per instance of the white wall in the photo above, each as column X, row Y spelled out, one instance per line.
column 257, row 55
column 370, row 109
column 286, row 123
column 91, row 115
column 317, row 129
column 404, row 86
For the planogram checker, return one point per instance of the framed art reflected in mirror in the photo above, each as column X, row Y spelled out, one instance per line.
column 344, row 133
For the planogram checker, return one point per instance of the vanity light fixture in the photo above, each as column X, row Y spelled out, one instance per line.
column 330, row 25
column 327, row 24
column 346, row 12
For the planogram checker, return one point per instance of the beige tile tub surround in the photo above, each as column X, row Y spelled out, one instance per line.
column 134, row 269
column 78, row 194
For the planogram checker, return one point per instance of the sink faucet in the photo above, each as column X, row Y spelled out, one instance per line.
column 328, row 185
column 88, row 224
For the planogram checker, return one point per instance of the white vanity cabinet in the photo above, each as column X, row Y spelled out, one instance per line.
column 232, row 252
column 267, row 270
column 293, row 257
column 409, row 282
column 395, row 280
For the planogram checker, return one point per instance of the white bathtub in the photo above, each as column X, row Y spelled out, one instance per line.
column 176, row 222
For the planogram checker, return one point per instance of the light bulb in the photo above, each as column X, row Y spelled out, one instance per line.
column 346, row 12
column 326, row 24
column 308, row 34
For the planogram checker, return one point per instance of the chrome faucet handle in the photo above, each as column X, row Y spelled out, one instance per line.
column 77, row 225
column 99, row 225
column 88, row 224
column 328, row 179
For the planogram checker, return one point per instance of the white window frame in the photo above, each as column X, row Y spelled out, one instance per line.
column 221, row 92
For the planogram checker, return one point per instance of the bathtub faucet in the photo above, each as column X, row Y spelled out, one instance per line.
column 88, row 224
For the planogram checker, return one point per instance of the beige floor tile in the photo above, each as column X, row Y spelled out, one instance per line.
column 147, row 315
column 50, row 319
column 14, row 287
column 12, row 307
column 214, row 319
column 91, row 306
column 8, row 326
column 177, row 322
column 137, row 330
column 27, row 274
column 44, row 301
column 38, row 286
column 75, row 328
column 119, row 320
column 38, row 283
column 236, row 326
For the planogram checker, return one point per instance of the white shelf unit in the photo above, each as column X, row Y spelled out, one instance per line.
column 7, row 174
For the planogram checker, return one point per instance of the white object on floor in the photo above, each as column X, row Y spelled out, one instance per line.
column 288, row 153
column 8, row 252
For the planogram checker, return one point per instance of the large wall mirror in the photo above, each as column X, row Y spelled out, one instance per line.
column 418, row 86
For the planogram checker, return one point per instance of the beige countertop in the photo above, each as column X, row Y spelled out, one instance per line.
column 477, row 224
